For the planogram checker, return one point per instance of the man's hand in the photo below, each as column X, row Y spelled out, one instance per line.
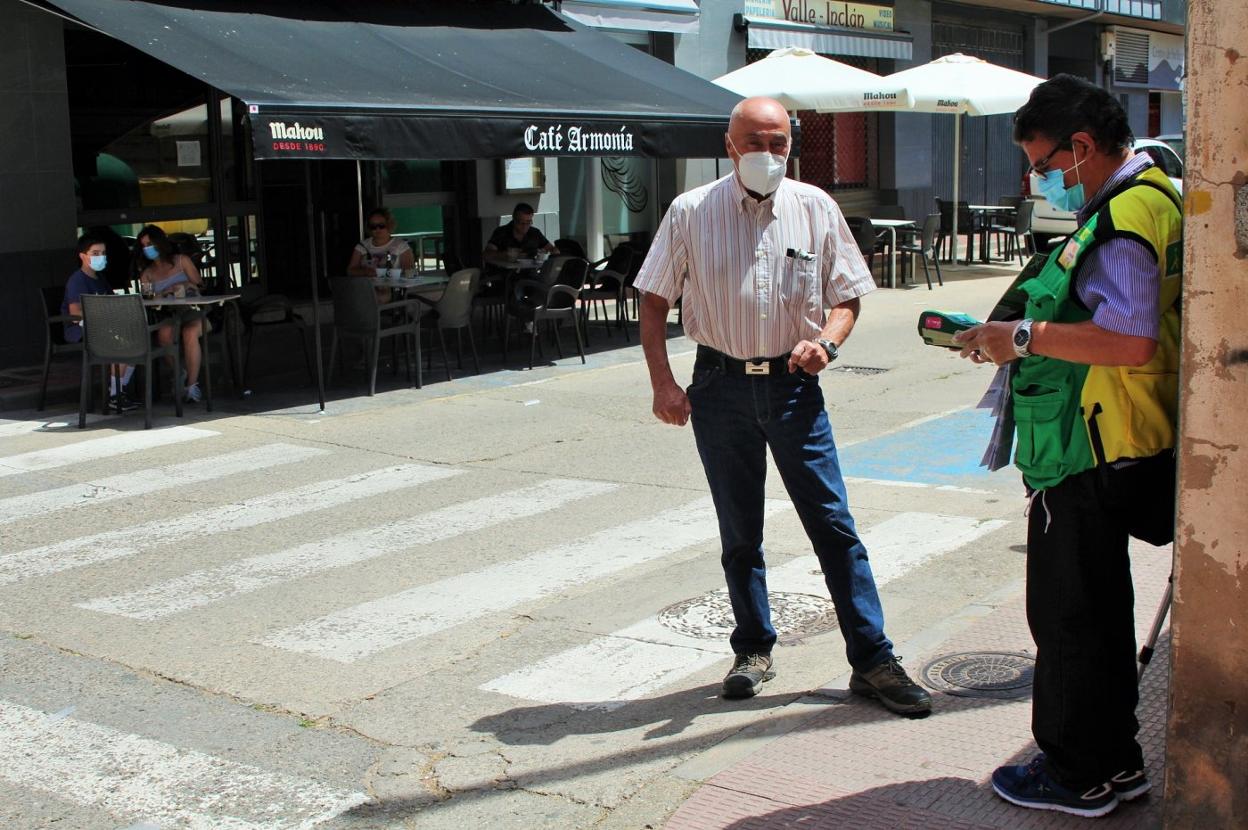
column 988, row 343
column 671, row 404
column 808, row 356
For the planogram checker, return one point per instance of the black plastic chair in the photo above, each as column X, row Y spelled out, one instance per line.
column 968, row 223
column 115, row 330
column 925, row 245
column 868, row 240
column 532, row 302
column 357, row 315
column 888, row 212
column 258, row 310
column 606, row 284
column 570, row 247
column 54, row 342
column 1016, row 232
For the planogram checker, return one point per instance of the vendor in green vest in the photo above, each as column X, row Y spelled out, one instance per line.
column 1094, row 383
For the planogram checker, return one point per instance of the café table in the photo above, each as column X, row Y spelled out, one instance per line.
column 891, row 225
column 986, row 214
column 179, row 308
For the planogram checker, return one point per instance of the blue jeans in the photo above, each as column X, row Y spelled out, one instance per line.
column 736, row 417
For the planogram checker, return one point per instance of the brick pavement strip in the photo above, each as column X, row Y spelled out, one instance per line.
column 853, row 765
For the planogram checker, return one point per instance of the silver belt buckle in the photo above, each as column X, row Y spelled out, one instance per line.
column 761, row 367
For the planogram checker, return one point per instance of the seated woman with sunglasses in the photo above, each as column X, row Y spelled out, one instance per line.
column 380, row 250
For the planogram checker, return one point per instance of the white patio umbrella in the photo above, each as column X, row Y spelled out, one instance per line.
column 960, row 84
column 803, row 80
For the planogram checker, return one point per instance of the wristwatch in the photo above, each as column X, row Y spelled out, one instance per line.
column 829, row 347
column 1022, row 338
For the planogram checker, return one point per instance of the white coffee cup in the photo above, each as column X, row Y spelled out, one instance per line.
column 395, row 273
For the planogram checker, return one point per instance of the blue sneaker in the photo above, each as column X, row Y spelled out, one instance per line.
column 1130, row 784
column 1029, row 785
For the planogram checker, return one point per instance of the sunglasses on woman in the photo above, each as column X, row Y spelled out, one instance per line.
column 377, row 226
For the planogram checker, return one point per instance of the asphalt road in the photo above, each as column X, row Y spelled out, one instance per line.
column 489, row 603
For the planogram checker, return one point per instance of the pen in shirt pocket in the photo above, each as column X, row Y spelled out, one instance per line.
column 798, row 253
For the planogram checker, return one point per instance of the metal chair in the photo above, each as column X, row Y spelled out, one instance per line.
column 54, row 342
column 357, row 315
column 925, row 245
column 453, row 311
column 115, row 330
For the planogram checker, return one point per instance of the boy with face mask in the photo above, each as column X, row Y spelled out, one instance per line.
column 92, row 260
column 757, row 258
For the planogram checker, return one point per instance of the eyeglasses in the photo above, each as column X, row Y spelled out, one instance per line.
column 1042, row 166
column 377, row 226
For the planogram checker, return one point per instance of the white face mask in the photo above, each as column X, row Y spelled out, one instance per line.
column 760, row 172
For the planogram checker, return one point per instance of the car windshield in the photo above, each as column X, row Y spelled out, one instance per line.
column 1164, row 158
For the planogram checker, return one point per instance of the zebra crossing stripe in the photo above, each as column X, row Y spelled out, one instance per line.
column 140, row 779
column 371, row 627
column 10, row 428
column 97, row 448
column 152, row 480
column 635, row 661
column 257, row 572
column 115, row 544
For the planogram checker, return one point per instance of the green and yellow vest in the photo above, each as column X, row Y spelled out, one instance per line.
column 1069, row 416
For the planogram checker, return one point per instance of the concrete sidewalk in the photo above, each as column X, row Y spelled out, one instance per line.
column 853, row 765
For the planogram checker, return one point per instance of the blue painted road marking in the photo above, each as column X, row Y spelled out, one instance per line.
column 942, row 451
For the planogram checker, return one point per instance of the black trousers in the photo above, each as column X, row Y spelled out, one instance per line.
column 1080, row 606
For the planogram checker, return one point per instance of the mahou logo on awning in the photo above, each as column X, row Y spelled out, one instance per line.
column 296, row 137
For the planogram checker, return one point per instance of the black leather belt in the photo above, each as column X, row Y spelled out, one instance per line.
column 753, row 366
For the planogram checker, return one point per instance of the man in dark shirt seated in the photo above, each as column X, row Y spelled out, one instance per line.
column 518, row 235
column 518, row 238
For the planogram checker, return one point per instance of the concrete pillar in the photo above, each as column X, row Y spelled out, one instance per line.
column 1207, row 737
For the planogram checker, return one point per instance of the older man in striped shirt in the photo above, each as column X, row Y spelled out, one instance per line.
column 756, row 258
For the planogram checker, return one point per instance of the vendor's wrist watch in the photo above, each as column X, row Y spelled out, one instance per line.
column 828, row 347
column 1022, row 338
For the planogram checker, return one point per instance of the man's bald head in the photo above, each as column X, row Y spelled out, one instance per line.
column 758, row 125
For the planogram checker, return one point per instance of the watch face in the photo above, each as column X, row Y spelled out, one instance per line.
column 1022, row 337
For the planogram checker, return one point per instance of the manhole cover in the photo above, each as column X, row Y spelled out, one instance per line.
column 991, row 674
column 709, row 617
column 859, row 370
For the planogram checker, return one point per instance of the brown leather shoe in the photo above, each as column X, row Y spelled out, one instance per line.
column 748, row 674
column 889, row 684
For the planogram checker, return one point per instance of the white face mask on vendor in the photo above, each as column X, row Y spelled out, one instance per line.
column 760, row 172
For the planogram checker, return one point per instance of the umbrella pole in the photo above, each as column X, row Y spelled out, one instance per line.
column 316, row 299
column 797, row 160
column 957, row 174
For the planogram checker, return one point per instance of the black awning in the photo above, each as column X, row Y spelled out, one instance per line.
column 370, row 79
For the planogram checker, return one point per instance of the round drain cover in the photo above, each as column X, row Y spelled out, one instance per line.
column 709, row 617
column 991, row 674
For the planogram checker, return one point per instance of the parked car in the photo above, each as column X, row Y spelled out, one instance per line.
column 1176, row 144
column 1048, row 223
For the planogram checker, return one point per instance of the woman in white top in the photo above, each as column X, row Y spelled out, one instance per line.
column 380, row 250
column 164, row 272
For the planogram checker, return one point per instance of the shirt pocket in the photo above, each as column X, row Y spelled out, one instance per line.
column 798, row 290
